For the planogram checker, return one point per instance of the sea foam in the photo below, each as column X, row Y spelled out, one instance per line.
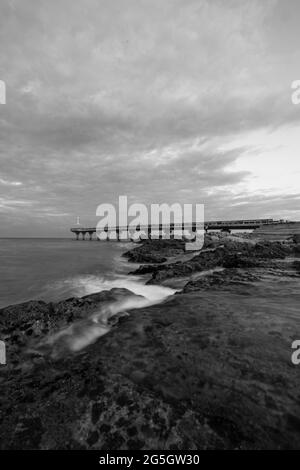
column 84, row 332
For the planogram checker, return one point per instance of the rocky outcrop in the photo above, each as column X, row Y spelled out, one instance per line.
column 207, row 369
column 277, row 232
column 296, row 265
column 23, row 326
column 155, row 251
column 296, row 238
column 220, row 279
column 231, row 255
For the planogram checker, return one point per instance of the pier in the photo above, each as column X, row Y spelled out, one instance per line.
column 83, row 233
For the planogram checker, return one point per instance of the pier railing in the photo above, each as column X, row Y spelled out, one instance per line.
column 225, row 225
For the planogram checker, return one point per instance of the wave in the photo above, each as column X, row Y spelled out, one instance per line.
column 85, row 332
column 82, row 285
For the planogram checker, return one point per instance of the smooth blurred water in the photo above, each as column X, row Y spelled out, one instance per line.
column 55, row 269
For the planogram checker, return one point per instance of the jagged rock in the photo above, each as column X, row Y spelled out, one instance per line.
column 23, row 325
column 296, row 265
column 145, row 269
column 209, row 368
column 232, row 254
column 297, row 249
column 155, row 251
column 238, row 261
column 227, row 277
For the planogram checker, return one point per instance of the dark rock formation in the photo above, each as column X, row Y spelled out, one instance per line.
column 296, row 238
column 296, row 265
column 220, row 279
column 239, row 261
column 233, row 255
column 210, row 368
column 155, row 251
column 205, row 370
column 23, row 326
column 297, row 249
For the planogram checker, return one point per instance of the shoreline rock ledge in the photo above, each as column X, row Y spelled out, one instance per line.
column 208, row 368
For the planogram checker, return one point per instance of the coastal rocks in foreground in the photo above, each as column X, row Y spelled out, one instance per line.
column 232, row 277
column 230, row 255
column 204, row 370
column 209, row 368
column 155, row 251
column 35, row 325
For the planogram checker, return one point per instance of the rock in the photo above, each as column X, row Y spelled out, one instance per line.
column 23, row 325
column 297, row 249
column 155, row 251
column 209, row 368
column 296, row 238
column 239, row 261
column 145, row 269
column 146, row 258
column 231, row 254
column 296, row 265
column 220, row 279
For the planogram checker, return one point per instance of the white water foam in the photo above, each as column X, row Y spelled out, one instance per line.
column 90, row 284
column 84, row 332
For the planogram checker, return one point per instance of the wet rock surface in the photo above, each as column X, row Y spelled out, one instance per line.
column 209, row 368
column 229, row 255
column 155, row 251
column 21, row 325
column 221, row 279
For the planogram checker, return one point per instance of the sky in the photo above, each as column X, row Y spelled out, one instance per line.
column 167, row 101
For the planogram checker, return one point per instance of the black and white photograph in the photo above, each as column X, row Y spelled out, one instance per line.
column 149, row 229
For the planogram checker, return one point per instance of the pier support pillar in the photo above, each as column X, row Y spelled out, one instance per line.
column 77, row 236
column 91, row 236
column 83, row 235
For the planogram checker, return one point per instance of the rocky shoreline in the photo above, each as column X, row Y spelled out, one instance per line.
column 208, row 368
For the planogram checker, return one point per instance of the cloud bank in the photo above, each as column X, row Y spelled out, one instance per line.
column 173, row 101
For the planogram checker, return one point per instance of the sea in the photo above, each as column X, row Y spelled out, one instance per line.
column 52, row 269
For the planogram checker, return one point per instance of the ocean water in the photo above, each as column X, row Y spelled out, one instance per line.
column 55, row 269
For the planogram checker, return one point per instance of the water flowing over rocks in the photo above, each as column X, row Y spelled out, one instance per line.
column 208, row 368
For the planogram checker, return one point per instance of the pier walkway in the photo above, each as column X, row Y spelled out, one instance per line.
column 223, row 225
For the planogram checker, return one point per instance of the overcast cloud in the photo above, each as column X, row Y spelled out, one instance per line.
column 162, row 101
